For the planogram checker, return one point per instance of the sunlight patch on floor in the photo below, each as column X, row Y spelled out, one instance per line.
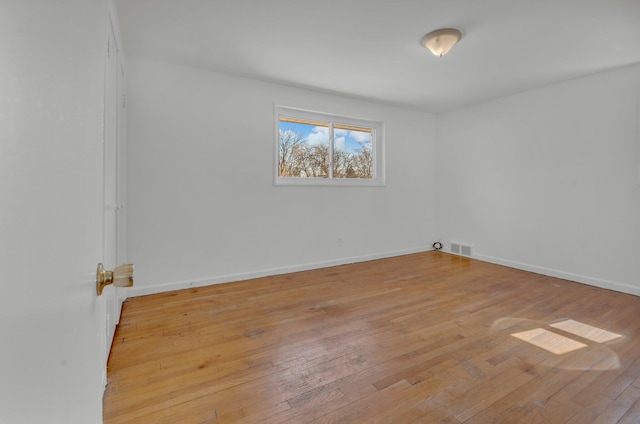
column 585, row 331
column 549, row 341
column 593, row 351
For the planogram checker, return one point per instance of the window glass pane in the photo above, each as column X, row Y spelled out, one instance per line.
column 353, row 152
column 321, row 149
column 303, row 148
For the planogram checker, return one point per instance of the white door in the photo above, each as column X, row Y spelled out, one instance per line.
column 51, row 220
column 121, row 195
column 110, row 208
column 114, row 177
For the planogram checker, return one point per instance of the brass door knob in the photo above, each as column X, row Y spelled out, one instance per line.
column 121, row 276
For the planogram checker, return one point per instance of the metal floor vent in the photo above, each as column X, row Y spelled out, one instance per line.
column 460, row 248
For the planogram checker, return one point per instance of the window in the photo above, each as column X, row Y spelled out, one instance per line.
column 314, row 148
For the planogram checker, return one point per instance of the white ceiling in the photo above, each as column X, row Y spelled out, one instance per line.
column 371, row 48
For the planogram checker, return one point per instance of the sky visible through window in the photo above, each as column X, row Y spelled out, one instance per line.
column 346, row 140
column 318, row 147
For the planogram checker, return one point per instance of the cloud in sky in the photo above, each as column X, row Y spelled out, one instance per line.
column 354, row 136
column 361, row 136
column 318, row 136
column 287, row 133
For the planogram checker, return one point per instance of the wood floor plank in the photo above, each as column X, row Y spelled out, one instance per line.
column 632, row 415
column 416, row 338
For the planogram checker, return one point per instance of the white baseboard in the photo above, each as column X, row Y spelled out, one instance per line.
column 201, row 282
column 584, row 279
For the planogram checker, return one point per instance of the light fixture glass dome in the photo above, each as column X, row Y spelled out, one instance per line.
column 441, row 40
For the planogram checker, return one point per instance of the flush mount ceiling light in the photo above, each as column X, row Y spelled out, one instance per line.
column 441, row 41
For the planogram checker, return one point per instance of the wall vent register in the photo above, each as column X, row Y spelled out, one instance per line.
column 460, row 248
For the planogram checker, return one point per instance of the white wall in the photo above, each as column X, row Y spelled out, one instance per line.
column 201, row 199
column 548, row 180
column 51, row 132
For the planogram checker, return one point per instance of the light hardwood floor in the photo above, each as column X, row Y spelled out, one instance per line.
column 420, row 338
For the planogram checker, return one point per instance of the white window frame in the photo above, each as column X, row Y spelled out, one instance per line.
column 377, row 147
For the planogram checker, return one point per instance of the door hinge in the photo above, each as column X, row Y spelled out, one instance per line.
column 124, row 100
